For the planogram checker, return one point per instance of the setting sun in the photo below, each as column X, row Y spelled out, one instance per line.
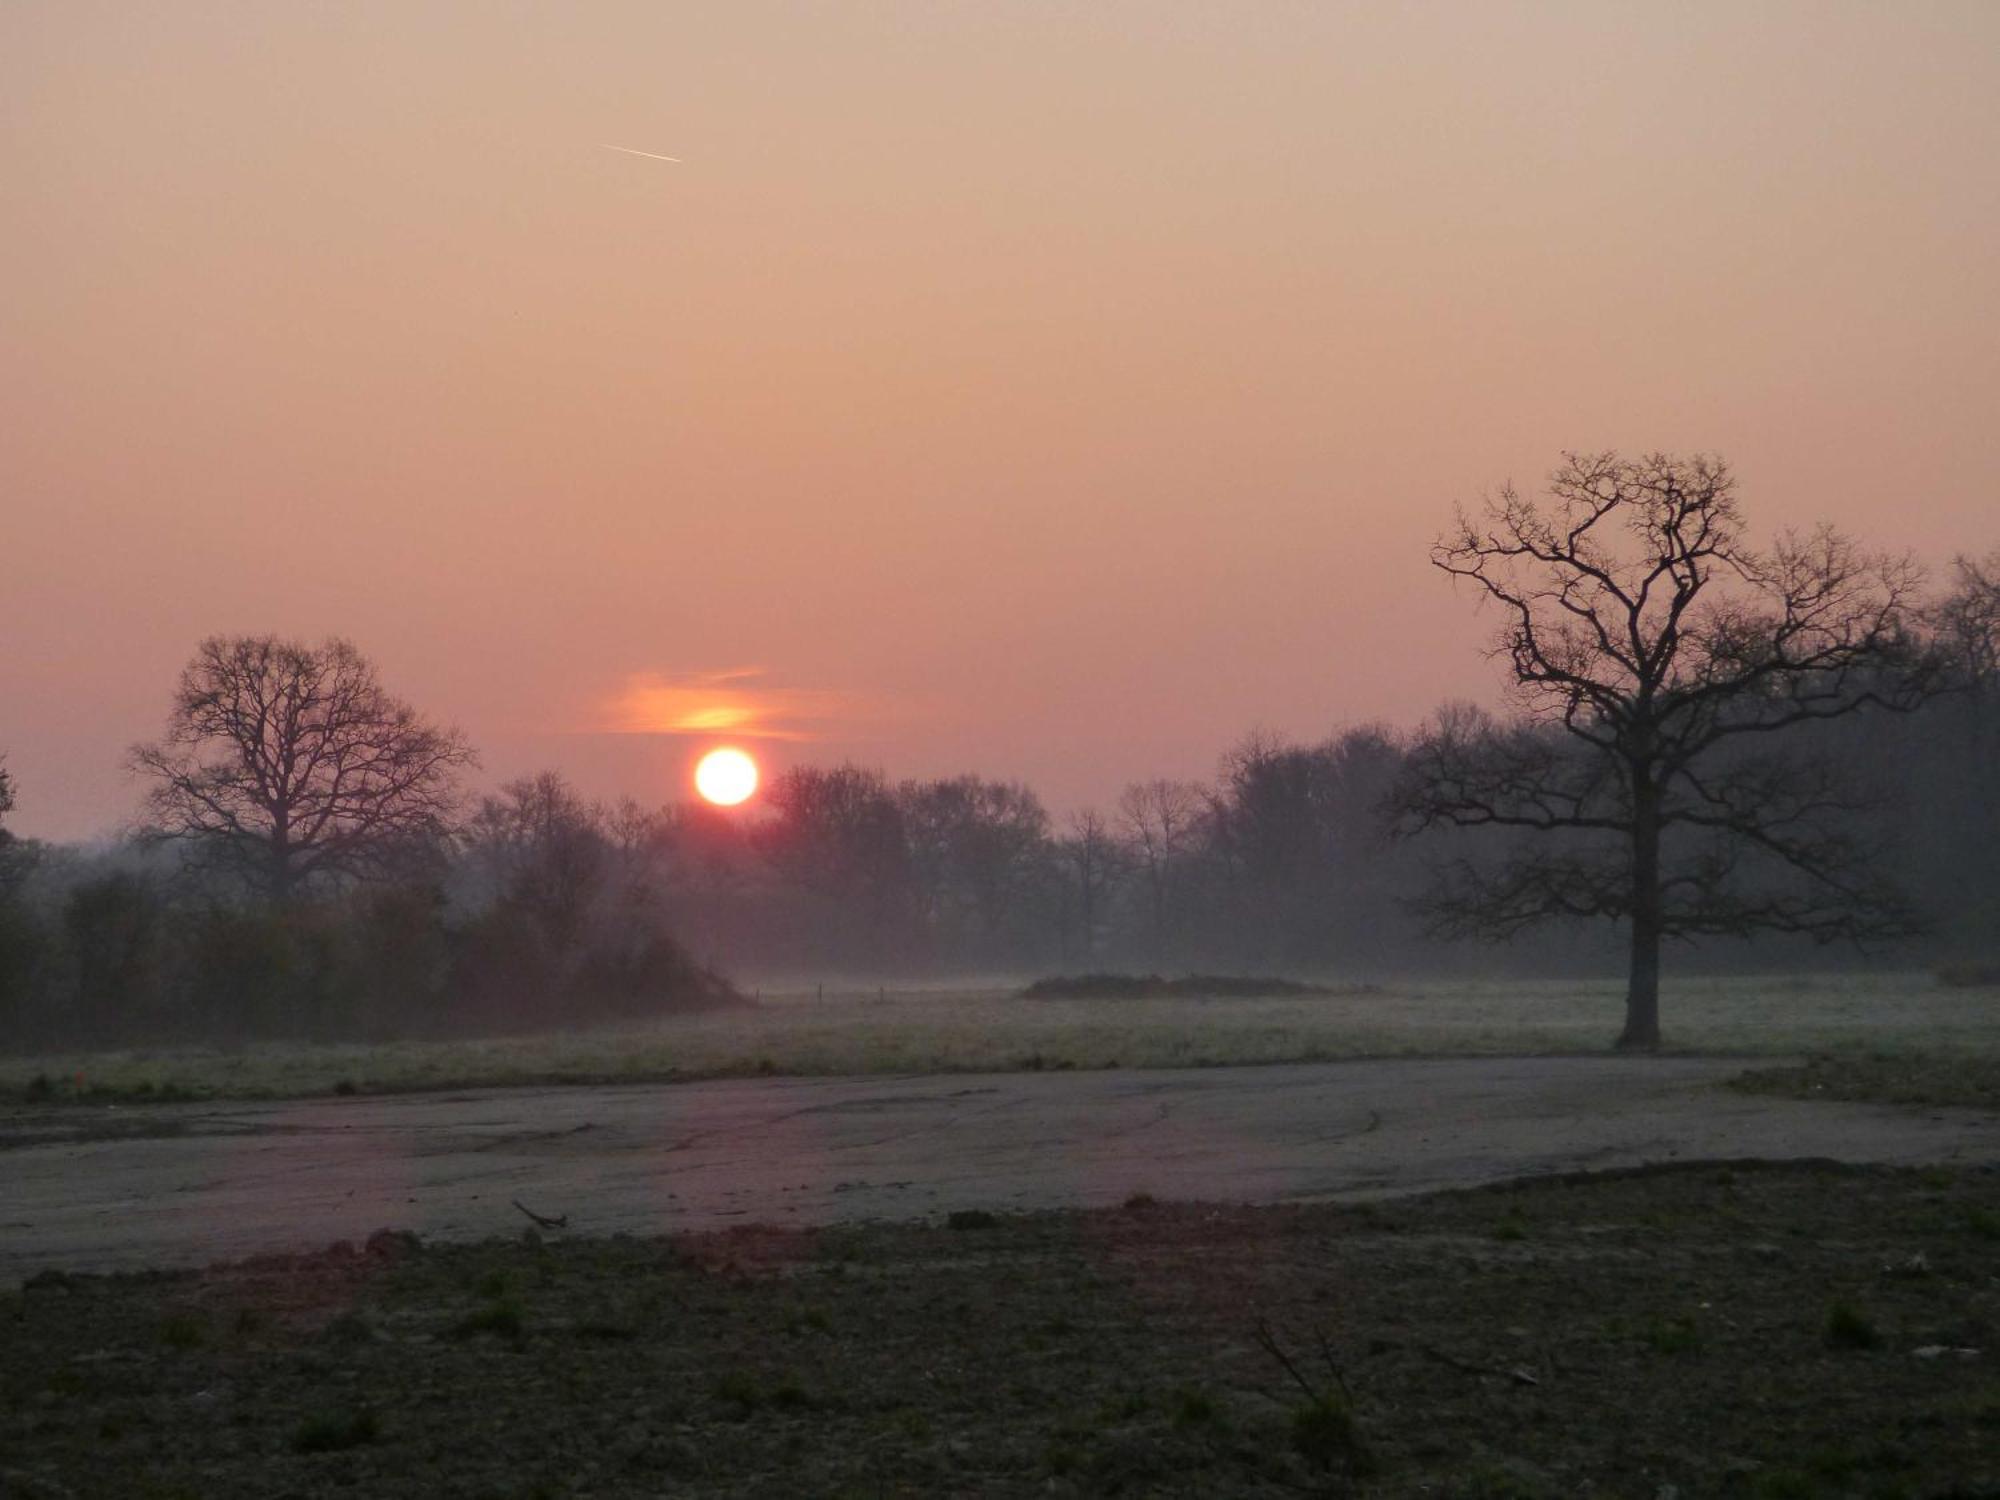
column 725, row 777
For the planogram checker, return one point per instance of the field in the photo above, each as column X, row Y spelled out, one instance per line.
column 1749, row 1329
column 914, row 1031
column 1707, row 1331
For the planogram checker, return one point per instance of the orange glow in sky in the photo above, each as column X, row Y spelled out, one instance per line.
column 736, row 703
column 726, row 777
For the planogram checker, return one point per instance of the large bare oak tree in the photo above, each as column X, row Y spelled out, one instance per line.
column 290, row 763
column 1661, row 665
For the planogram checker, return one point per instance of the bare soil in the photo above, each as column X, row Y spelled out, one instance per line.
column 1694, row 1331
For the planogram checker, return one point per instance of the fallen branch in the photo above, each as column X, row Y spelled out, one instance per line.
column 560, row 1221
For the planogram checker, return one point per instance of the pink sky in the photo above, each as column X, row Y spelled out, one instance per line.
column 1050, row 391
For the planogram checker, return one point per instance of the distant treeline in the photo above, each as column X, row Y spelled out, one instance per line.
column 540, row 909
column 1287, row 861
column 1752, row 748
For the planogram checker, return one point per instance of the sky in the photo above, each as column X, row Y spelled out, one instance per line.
column 1057, row 392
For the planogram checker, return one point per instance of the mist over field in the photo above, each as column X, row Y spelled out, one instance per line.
column 381, row 896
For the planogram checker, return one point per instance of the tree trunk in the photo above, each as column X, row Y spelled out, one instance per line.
column 1642, row 991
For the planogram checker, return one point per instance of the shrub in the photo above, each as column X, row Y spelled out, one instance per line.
column 739, row 1389
column 1966, row 974
column 183, row 1331
column 330, row 1432
column 1847, row 1327
column 503, row 1316
column 1324, row 1435
column 1194, row 1407
column 1674, row 1336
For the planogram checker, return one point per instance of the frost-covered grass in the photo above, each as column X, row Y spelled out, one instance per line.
column 933, row 1030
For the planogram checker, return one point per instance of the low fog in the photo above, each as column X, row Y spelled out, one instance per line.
column 386, row 894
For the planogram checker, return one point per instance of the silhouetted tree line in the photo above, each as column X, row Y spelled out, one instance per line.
column 1284, row 859
column 309, row 866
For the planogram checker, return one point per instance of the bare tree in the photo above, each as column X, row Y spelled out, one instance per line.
column 1655, row 656
column 836, row 839
column 1968, row 619
column 543, row 853
column 289, row 763
column 1159, row 819
column 1091, row 861
column 978, row 858
column 6, row 799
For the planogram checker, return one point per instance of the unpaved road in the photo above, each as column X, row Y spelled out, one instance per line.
column 102, row 1188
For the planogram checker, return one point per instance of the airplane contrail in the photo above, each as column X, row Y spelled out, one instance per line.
column 630, row 152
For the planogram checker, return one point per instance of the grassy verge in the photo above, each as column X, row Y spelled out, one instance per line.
column 808, row 1033
column 1731, row 1332
column 1971, row 1082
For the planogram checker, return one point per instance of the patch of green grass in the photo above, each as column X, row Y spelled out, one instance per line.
column 1123, row 1406
column 607, row 1328
column 1969, row 974
column 970, row 1218
column 1835, row 1464
column 1493, row 1482
column 1065, row 1457
column 1982, row 1221
column 350, row 1328
column 1510, row 1227
column 183, row 1331
column 1848, row 1327
column 69, row 1381
column 1193, row 1407
column 812, row 1319
column 1672, row 1336
column 1784, row 1484
column 788, row 1393
column 738, row 1388
column 503, row 1316
column 1929, row 1079
column 947, row 1030
column 332, row 1432
column 1324, row 1434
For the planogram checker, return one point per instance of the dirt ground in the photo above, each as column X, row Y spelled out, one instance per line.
column 105, row 1188
column 1687, row 1332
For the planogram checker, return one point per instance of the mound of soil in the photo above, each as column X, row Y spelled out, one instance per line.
column 1155, row 987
